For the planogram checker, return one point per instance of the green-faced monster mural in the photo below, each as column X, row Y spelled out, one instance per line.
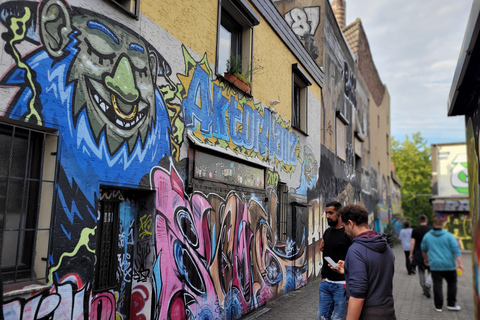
column 95, row 81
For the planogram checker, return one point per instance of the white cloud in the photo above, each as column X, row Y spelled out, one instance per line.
column 442, row 65
column 415, row 46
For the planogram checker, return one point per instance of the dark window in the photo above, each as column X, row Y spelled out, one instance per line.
column 388, row 145
column 106, row 246
column 296, row 106
column 21, row 183
column 132, row 7
column 230, row 44
column 358, row 163
column 235, row 36
column 301, row 81
column 340, row 137
column 282, row 190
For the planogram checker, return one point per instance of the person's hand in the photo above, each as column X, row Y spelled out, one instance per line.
column 410, row 257
column 340, row 268
column 460, row 266
column 425, row 261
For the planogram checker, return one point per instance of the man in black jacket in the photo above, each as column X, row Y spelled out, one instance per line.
column 335, row 244
column 416, row 255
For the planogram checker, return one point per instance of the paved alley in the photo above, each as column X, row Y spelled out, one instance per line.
column 410, row 303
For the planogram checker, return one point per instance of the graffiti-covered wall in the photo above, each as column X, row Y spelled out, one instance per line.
column 355, row 127
column 472, row 135
column 396, row 197
column 175, row 194
column 128, row 107
column 464, row 100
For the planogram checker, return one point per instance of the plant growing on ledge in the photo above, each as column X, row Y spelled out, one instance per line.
column 235, row 72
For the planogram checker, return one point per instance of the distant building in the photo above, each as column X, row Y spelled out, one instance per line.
column 356, row 110
column 145, row 173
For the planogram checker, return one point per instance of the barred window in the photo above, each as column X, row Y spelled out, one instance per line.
column 282, row 190
column 300, row 84
column 27, row 179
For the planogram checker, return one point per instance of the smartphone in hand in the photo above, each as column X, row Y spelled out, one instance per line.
column 332, row 263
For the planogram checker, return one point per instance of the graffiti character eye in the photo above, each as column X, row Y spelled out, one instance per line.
column 179, row 306
column 187, row 268
column 91, row 50
column 186, row 225
column 141, row 72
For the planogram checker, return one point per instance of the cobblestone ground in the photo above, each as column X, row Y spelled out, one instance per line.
column 410, row 303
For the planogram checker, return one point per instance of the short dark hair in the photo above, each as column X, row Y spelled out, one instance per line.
column 356, row 213
column 406, row 224
column 335, row 204
column 422, row 218
column 438, row 221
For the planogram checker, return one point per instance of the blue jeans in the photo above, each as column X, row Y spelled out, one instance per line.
column 332, row 299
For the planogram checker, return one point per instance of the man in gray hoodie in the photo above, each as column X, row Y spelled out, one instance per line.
column 368, row 267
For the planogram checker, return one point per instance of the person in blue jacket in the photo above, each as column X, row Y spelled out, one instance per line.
column 368, row 267
column 440, row 250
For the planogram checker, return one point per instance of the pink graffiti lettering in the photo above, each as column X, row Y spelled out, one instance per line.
column 215, row 250
column 139, row 297
column 103, row 307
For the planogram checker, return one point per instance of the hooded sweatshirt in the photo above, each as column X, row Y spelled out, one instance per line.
column 369, row 268
column 442, row 248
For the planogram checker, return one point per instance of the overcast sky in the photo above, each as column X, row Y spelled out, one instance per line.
column 415, row 46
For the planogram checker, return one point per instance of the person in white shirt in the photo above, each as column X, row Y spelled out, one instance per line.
column 405, row 236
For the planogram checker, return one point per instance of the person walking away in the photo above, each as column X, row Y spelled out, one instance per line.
column 405, row 237
column 416, row 255
column 368, row 267
column 335, row 243
column 440, row 250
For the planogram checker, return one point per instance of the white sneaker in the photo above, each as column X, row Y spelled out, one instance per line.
column 454, row 308
column 439, row 310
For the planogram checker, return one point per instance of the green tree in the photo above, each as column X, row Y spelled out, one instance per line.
column 413, row 167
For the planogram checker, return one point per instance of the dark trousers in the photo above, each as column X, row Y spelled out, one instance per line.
column 451, row 278
column 408, row 264
column 378, row 312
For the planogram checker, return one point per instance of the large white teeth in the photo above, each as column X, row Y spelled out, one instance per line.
column 105, row 106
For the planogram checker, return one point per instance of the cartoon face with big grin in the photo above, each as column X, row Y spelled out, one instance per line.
column 95, row 81
column 116, row 76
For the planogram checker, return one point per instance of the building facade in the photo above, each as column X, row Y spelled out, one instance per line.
column 141, row 178
column 463, row 101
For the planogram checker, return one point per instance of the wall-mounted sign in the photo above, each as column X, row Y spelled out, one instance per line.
column 223, row 170
column 451, row 205
column 452, row 170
